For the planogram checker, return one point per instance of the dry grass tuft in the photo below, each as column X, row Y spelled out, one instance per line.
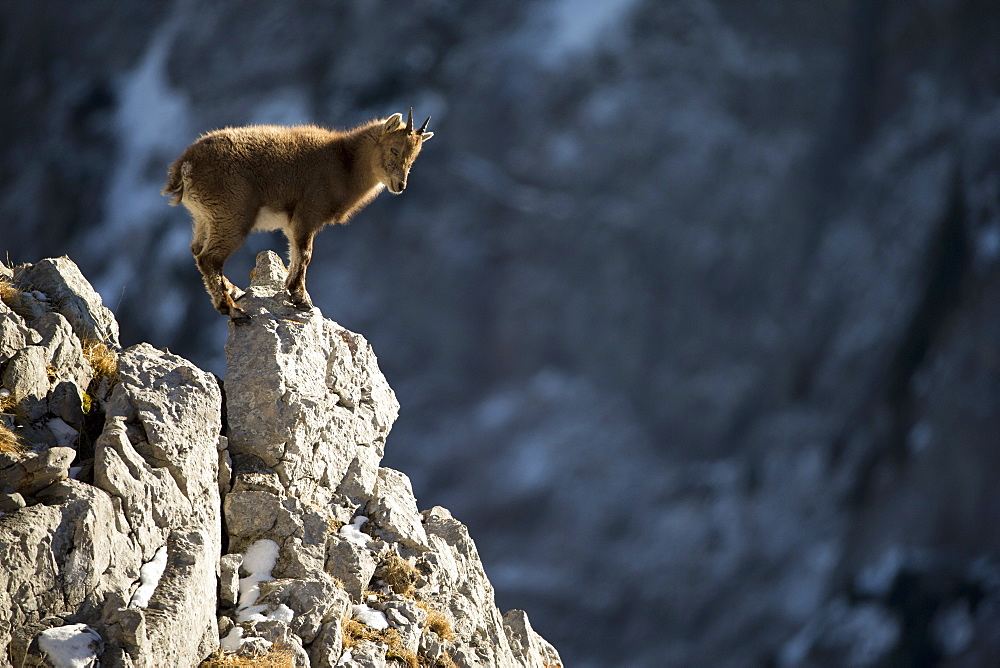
column 278, row 657
column 7, row 289
column 404, row 655
column 444, row 661
column 355, row 632
column 439, row 622
column 399, row 574
column 102, row 359
column 9, row 441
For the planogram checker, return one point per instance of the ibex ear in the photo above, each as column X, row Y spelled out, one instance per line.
column 392, row 123
column 425, row 136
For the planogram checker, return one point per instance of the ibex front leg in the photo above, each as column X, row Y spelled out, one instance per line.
column 300, row 248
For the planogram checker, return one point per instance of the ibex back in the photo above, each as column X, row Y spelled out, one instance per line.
column 297, row 179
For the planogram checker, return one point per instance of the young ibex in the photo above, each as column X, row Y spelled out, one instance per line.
column 297, row 179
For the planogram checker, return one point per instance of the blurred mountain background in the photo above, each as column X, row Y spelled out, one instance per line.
column 693, row 307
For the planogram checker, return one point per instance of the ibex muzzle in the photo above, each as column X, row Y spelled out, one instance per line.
column 297, row 179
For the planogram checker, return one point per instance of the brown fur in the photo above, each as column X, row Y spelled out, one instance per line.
column 297, row 179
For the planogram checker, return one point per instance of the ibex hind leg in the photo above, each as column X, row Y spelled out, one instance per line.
column 217, row 286
column 210, row 262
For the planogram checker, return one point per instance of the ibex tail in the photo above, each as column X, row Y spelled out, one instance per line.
column 175, row 181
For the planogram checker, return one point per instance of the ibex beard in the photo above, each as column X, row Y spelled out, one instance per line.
column 297, row 179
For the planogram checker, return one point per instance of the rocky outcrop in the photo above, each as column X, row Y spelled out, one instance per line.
column 114, row 472
column 123, row 488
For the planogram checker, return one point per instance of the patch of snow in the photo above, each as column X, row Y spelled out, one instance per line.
column 149, row 577
column 346, row 658
column 72, row 646
column 282, row 614
column 233, row 640
column 352, row 532
column 64, row 434
column 373, row 618
column 253, row 613
column 4, row 393
column 258, row 560
column 74, row 472
column 261, row 557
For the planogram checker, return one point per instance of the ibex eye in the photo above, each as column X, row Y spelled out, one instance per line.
column 395, row 151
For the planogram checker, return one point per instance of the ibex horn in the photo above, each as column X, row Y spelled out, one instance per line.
column 409, row 122
column 424, row 126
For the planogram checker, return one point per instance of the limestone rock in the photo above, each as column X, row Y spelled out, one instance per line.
column 62, row 555
column 280, row 635
column 250, row 474
column 136, row 554
column 327, row 648
column 33, row 470
column 314, row 602
column 365, row 654
column 300, row 531
column 63, row 351
column 175, row 408
column 181, row 620
column 352, row 564
column 393, row 510
column 305, row 395
column 11, row 502
column 66, row 403
column 30, row 305
column 530, row 648
column 308, row 414
column 14, row 335
column 408, row 618
column 225, row 467
column 229, row 581
column 27, row 378
column 73, row 296
column 157, row 459
column 465, row 591
column 251, row 514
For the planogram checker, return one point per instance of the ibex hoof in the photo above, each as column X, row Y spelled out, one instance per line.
column 301, row 302
column 238, row 316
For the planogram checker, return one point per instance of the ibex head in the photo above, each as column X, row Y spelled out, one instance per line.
column 399, row 146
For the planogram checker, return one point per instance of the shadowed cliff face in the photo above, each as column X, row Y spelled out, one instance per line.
column 695, row 300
